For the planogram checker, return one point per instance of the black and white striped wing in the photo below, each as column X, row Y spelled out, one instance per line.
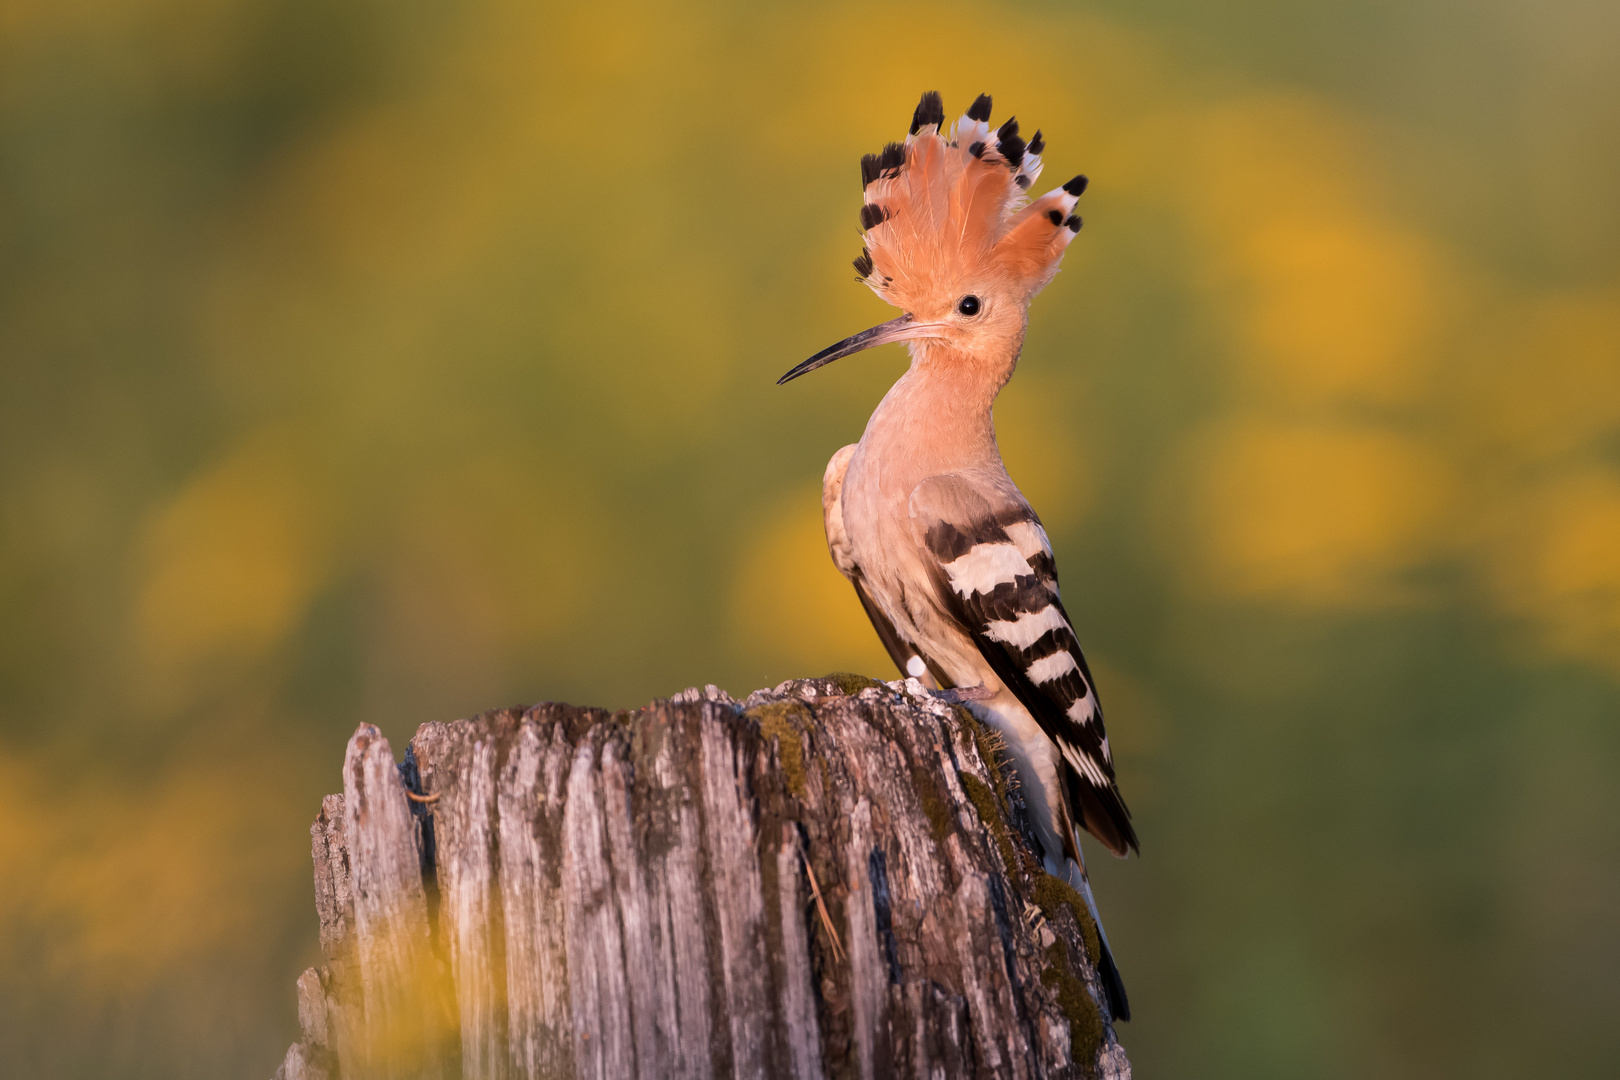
column 994, row 573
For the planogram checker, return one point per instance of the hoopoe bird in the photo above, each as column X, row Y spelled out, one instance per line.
column 945, row 553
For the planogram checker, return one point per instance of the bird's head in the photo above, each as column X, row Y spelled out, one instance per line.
column 950, row 238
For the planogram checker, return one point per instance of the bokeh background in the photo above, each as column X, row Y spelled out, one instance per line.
column 389, row 360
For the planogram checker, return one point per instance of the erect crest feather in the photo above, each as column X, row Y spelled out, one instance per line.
column 945, row 210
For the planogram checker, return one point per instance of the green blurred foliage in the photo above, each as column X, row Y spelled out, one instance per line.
column 389, row 362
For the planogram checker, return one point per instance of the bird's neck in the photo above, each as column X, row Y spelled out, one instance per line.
column 938, row 417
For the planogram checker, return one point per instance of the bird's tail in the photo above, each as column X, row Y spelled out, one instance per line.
column 1114, row 986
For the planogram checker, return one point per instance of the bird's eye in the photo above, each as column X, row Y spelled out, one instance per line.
column 968, row 305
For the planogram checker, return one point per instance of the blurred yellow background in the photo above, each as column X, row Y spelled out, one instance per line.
column 386, row 362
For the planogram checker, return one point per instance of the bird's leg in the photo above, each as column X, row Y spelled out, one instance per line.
column 958, row 695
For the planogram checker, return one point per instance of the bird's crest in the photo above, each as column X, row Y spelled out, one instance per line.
column 944, row 210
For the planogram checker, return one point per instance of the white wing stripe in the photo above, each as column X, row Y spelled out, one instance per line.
column 1027, row 629
column 1029, row 538
column 1081, row 712
column 1052, row 667
column 985, row 566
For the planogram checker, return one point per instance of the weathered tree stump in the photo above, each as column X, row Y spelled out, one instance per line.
column 831, row 878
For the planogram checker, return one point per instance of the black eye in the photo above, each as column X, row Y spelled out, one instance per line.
column 968, row 305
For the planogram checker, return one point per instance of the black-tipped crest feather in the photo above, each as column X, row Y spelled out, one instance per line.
column 885, row 165
column 1012, row 148
column 930, row 112
column 1009, row 144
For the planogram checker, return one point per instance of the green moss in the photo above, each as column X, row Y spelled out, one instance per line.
column 850, row 684
column 784, row 721
column 992, row 750
column 993, row 804
column 933, row 803
column 1085, row 1020
column 1050, row 892
column 984, row 801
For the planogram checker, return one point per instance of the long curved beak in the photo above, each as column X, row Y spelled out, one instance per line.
column 905, row 328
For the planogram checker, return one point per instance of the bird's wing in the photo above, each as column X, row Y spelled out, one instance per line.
column 903, row 653
column 832, row 510
column 993, row 572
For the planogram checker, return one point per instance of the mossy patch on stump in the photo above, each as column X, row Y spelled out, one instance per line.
column 1085, row 1019
column 984, row 801
column 849, row 684
column 786, row 721
column 992, row 750
column 1051, row 891
column 934, row 806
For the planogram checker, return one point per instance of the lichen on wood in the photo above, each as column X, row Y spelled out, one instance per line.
column 675, row 892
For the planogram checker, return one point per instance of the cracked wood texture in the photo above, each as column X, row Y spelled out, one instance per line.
column 833, row 878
